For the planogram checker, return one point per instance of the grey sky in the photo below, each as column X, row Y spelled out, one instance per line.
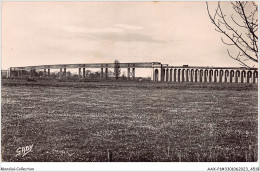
column 176, row 33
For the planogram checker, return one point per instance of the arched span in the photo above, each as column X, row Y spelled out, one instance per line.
column 167, row 75
column 183, row 75
column 201, row 75
column 174, row 75
column 215, row 75
column 170, row 74
column 249, row 75
column 210, row 75
column 255, row 76
column 196, row 75
column 156, row 75
column 179, row 75
column 237, row 75
column 191, row 75
column 163, row 75
column 226, row 75
column 231, row 76
column 187, row 75
column 243, row 75
column 205, row 75
column 220, row 75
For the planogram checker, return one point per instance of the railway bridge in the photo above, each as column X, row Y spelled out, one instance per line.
column 160, row 72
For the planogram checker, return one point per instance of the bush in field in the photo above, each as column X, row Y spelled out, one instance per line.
column 31, row 80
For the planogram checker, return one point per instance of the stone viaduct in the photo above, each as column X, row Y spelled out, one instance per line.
column 160, row 72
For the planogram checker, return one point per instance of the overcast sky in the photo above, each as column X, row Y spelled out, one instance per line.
column 175, row 33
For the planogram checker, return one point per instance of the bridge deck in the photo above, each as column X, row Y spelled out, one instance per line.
column 89, row 65
column 207, row 67
column 123, row 65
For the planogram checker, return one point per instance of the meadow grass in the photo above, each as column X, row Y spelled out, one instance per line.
column 159, row 122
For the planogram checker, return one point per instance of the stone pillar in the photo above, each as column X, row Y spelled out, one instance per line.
column 236, row 77
column 84, row 72
column 205, row 75
column 196, row 75
column 65, row 73
column 106, row 72
column 243, row 74
column 225, row 76
column 174, row 75
column 128, row 73
column 179, row 75
column 101, row 73
column 187, row 75
column 79, row 72
column 49, row 72
column 191, row 75
column 220, row 75
column 201, row 75
column 215, row 75
column 255, row 76
column 133, row 73
column 170, row 74
column 210, row 75
column 182, row 75
column 231, row 76
column 248, row 76
column 167, row 74
column 60, row 72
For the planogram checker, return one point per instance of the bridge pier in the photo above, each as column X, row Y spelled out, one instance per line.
column 226, row 76
column 170, row 75
column 128, row 73
column 174, row 75
column 255, row 75
column 231, row 75
column 201, row 75
column 133, row 73
column 206, row 75
column 191, row 75
column 243, row 74
column 101, row 73
column 49, row 73
column 84, row 72
column 220, row 75
column 106, row 73
column 79, row 73
column 187, row 75
column 65, row 73
column 249, row 75
column 162, row 74
column 167, row 75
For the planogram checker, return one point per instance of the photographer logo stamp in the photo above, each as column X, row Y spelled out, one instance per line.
column 22, row 151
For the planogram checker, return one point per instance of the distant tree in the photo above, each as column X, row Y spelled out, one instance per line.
column 87, row 73
column 240, row 28
column 69, row 74
column 117, row 69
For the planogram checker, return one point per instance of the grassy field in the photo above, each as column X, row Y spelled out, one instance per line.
column 136, row 121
